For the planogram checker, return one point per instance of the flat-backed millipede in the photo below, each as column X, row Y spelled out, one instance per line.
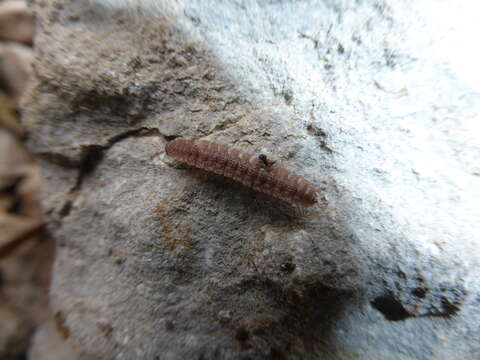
column 254, row 171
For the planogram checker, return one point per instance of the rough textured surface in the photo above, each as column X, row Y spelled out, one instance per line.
column 375, row 101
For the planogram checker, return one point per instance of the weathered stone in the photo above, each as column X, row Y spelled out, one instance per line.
column 363, row 99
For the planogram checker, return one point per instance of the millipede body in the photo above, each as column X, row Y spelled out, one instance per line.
column 251, row 170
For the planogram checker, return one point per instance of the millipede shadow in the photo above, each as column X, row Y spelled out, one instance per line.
column 230, row 193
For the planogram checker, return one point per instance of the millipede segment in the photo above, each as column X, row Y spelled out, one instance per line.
column 251, row 170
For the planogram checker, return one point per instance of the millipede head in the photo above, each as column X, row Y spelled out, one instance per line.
column 265, row 161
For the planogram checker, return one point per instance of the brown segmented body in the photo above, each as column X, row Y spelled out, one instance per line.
column 249, row 169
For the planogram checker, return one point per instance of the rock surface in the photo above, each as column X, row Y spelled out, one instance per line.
column 376, row 102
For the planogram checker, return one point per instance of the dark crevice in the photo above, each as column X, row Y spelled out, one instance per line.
column 288, row 97
column 60, row 323
column 242, row 335
column 321, row 135
column 420, row 292
column 316, row 131
column 143, row 131
column 440, row 305
column 91, row 156
column 65, row 209
column 170, row 137
column 390, row 307
column 449, row 308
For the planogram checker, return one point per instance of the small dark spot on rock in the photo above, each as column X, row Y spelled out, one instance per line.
column 135, row 63
column 322, row 135
column 224, row 315
column 315, row 130
column 327, row 263
column 288, row 97
column 390, row 307
column 340, row 49
column 59, row 320
column 401, row 274
column 276, row 354
column 169, row 325
column 209, row 75
column 449, row 300
column 91, row 157
column 106, row 329
column 242, row 335
column 287, row 267
column 291, row 154
column 258, row 324
column 179, row 87
column 170, row 137
column 449, row 308
column 66, row 208
column 419, row 292
column 118, row 256
column 420, row 279
column 356, row 38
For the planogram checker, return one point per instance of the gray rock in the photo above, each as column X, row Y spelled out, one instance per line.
column 375, row 102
